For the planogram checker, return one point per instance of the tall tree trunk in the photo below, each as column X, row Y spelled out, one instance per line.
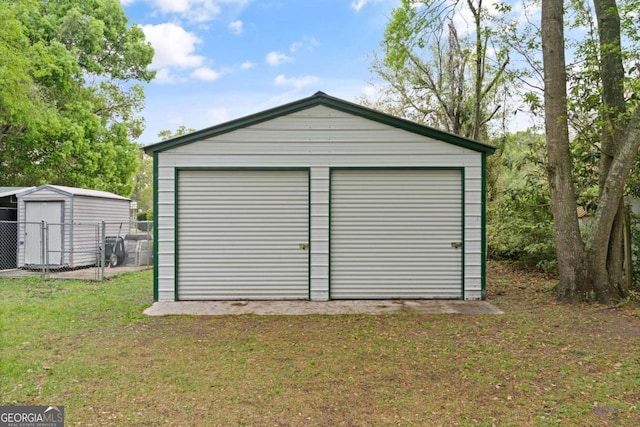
column 608, row 204
column 594, row 270
column 612, row 77
column 569, row 245
column 479, row 75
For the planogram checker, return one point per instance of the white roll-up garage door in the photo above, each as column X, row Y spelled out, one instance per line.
column 396, row 234
column 243, row 234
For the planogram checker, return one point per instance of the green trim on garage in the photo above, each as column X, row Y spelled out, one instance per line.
column 309, row 232
column 176, row 255
column 329, row 237
column 483, row 229
column 464, row 240
column 155, row 227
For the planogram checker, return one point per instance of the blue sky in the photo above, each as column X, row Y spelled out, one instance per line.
column 222, row 59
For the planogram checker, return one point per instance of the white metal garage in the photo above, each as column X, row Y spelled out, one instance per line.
column 396, row 233
column 243, row 234
column 319, row 198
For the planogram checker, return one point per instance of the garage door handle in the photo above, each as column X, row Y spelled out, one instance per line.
column 456, row 245
column 303, row 246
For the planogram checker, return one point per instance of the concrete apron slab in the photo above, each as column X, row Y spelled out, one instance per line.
column 296, row 308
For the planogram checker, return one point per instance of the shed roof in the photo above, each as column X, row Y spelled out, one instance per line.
column 12, row 191
column 73, row 191
column 320, row 98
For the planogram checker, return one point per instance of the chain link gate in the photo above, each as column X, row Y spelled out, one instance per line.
column 77, row 250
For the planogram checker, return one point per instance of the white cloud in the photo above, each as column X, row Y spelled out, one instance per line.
column 296, row 82
column 295, row 46
column 164, row 76
column 173, row 46
column 193, row 10
column 126, row 2
column 206, row 73
column 236, row 27
column 276, row 58
column 370, row 91
column 171, row 6
column 308, row 43
column 358, row 4
column 247, row 65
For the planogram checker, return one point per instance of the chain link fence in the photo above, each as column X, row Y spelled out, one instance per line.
column 74, row 250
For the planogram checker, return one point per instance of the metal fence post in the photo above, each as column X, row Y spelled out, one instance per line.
column 46, row 250
column 103, row 250
column 42, row 248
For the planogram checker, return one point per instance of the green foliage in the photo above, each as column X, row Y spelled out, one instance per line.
column 588, row 115
column 635, row 248
column 143, row 184
column 167, row 134
column 633, row 297
column 403, row 31
column 145, row 216
column 519, row 217
column 68, row 97
column 520, row 231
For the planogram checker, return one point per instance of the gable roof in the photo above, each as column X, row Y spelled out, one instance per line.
column 73, row 191
column 319, row 98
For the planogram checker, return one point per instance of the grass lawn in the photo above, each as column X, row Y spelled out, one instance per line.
column 87, row 346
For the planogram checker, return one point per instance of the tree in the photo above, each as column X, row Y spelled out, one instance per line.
column 69, row 97
column 588, row 269
column 439, row 77
column 25, row 114
column 143, row 182
column 569, row 245
column 167, row 134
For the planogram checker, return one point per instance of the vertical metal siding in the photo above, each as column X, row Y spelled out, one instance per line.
column 239, row 233
column 391, row 234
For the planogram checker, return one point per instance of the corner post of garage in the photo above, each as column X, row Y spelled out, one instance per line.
column 483, row 227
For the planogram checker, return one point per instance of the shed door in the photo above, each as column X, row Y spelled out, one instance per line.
column 243, row 234
column 393, row 234
column 52, row 214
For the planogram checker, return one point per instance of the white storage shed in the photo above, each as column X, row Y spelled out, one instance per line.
column 73, row 216
column 319, row 199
